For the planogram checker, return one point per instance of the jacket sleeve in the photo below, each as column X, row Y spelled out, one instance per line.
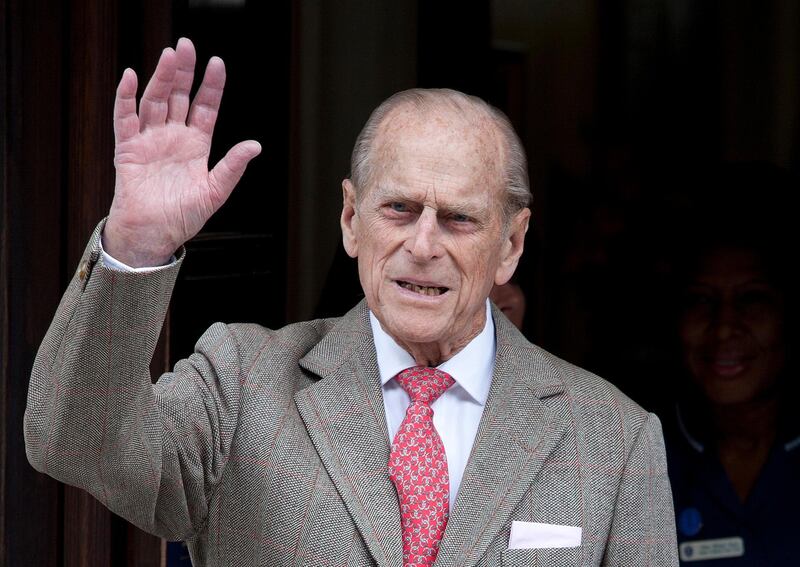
column 152, row 453
column 643, row 526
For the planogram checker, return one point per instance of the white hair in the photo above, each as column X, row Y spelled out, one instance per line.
column 517, row 187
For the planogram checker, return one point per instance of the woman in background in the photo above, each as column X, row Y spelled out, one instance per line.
column 733, row 443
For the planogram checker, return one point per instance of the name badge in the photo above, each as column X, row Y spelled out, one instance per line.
column 705, row 549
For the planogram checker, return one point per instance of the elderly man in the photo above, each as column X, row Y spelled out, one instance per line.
column 420, row 427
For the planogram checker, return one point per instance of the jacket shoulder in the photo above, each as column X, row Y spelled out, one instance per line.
column 290, row 343
column 592, row 396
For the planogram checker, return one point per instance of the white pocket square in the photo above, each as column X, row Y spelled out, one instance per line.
column 534, row 535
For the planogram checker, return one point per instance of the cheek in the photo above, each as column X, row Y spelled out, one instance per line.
column 771, row 341
column 373, row 256
column 475, row 279
column 691, row 329
column 692, row 343
column 768, row 331
column 477, row 258
column 375, row 240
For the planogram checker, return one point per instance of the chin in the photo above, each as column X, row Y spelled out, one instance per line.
column 729, row 392
column 425, row 335
column 411, row 329
column 723, row 397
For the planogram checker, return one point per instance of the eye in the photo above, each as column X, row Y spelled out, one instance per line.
column 694, row 300
column 758, row 295
column 398, row 210
column 458, row 217
column 753, row 297
column 757, row 301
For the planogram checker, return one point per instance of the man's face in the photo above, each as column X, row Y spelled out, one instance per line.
column 429, row 230
column 732, row 328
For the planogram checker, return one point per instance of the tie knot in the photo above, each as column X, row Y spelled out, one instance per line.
column 424, row 384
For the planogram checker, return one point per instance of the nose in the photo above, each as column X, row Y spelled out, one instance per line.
column 424, row 242
column 728, row 320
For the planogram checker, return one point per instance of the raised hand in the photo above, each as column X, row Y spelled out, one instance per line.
column 164, row 192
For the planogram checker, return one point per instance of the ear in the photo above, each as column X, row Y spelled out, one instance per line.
column 513, row 246
column 349, row 219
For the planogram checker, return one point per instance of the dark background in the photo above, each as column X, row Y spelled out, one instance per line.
column 622, row 105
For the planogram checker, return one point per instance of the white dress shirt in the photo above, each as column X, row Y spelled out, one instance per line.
column 110, row 262
column 457, row 412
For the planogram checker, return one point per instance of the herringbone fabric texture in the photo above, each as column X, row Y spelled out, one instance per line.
column 270, row 448
column 418, row 467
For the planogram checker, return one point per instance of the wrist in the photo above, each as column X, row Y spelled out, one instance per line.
column 134, row 248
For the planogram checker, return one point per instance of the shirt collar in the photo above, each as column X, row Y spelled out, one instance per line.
column 691, row 427
column 471, row 367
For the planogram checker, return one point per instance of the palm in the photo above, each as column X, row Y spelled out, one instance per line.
column 162, row 175
column 164, row 190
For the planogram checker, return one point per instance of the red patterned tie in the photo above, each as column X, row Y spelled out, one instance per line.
column 418, row 467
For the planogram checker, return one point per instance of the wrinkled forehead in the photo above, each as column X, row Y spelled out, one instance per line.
column 726, row 258
column 468, row 123
column 466, row 138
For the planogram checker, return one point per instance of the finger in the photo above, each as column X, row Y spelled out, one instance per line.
column 229, row 170
column 153, row 108
column 205, row 107
column 126, row 122
column 178, row 106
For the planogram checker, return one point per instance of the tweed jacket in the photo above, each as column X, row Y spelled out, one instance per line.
column 271, row 447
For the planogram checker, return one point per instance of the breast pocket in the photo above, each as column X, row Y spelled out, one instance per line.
column 551, row 557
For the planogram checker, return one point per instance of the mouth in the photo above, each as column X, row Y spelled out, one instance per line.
column 428, row 290
column 728, row 365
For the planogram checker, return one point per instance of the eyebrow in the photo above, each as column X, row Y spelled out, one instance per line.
column 474, row 210
column 468, row 209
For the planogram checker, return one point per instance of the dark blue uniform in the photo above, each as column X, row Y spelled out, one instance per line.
column 763, row 531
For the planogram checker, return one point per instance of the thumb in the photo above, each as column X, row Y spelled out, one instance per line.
column 229, row 170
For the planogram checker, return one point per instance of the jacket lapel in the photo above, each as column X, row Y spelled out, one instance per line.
column 343, row 413
column 516, row 434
